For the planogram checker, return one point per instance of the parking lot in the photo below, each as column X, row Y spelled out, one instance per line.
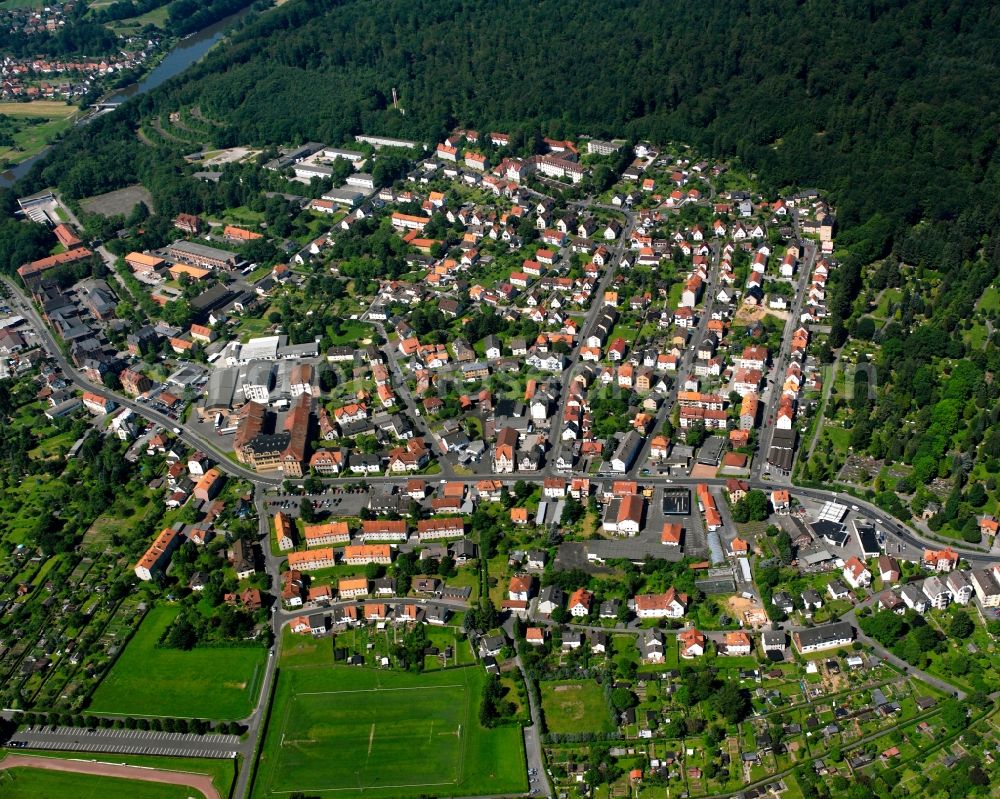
column 134, row 742
column 335, row 501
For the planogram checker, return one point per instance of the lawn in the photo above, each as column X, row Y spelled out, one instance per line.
column 575, row 706
column 31, row 783
column 990, row 299
column 202, row 683
column 383, row 733
column 351, row 332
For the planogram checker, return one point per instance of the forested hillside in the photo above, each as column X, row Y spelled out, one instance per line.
column 891, row 105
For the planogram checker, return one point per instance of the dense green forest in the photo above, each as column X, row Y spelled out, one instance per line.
column 889, row 106
column 79, row 37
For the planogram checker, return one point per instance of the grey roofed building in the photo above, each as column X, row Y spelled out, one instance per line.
column 455, row 442
column 492, row 644
column 783, row 600
column 334, row 153
column 317, row 623
column 100, row 301
column 550, row 598
column 293, row 156
column 221, row 388
column 338, row 353
column 346, row 196
column 773, row 640
column 627, row 451
column 356, row 428
column 837, row 589
column 811, row 598
column 825, row 636
column 711, row 451
column 680, row 455
column 268, row 442
column 309, row 349
column 913, row 597
column 460, row 592
column 610, row 608
column 313, row 170
column 464, row 550
column 211, row 299
column 816, row 557
column 782, row 452
column 200, row 253
column 830, row 531
column 676, row 501
column 867, row 539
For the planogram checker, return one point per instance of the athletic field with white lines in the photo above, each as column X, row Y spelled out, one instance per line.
column 343, row 731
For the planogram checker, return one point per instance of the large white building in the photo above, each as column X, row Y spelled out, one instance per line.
column 258, row 381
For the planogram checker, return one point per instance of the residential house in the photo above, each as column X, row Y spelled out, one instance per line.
column 857, row 574
column 670, row 605
column 690, row 643
column 826, row 636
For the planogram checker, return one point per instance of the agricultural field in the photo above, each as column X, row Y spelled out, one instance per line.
column 575, row 706
column 381, row 733
column 25, row 128
column 201, row 683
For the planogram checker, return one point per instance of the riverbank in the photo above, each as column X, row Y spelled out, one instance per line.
column 183, row 54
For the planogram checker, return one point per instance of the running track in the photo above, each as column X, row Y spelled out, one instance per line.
column 200, row 782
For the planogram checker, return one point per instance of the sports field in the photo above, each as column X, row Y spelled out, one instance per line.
column 202, row 683
column 350, row 731
column 575, row 706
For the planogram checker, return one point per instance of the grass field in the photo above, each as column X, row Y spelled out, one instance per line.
column 202, row 683
column 575, row 706
column 990, row 299
column 50, row 109
column 33, row 125
column 30, row 783
column 349, row 731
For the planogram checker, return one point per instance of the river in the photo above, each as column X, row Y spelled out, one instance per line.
column 185, row 53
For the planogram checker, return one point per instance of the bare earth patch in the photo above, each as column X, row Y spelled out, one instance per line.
column 118, row 202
